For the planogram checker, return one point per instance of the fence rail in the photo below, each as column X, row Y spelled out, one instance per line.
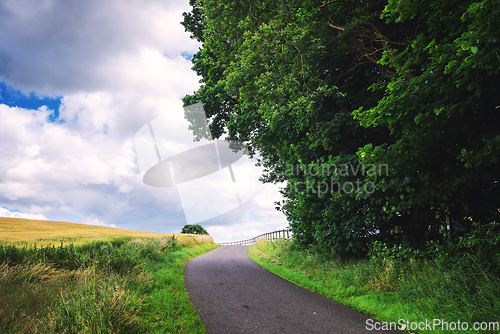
column 270, row 236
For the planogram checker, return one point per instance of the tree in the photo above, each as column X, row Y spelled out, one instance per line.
column 411, row 86
column 269, row 64
column 444, row 116
column 194, row 229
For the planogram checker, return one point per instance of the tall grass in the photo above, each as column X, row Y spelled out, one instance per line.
column 391, row 288
column 127, row 285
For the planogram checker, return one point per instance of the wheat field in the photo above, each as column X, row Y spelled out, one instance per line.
column 28, row 232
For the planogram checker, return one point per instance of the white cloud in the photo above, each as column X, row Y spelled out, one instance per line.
column 96, row 222
column 117, row 65
column 32, row 151
column 60, row 47
column 75, row 172
column 14, row 214
column 256, row 217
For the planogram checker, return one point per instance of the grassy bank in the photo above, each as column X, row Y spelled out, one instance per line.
column 127, row 285
column 390, row 289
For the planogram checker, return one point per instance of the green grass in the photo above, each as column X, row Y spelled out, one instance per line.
column 127, row 285
column 390, row 289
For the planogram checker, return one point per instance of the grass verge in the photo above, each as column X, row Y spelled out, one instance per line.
column 392, row 290
column 127, row 285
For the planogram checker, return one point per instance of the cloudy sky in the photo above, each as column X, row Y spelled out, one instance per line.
column 78, row 80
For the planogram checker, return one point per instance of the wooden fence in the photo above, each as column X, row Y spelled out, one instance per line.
column 270, row 236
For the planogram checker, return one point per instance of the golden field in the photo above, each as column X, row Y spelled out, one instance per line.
column 27, row 232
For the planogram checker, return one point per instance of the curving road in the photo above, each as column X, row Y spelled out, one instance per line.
column 232, row 294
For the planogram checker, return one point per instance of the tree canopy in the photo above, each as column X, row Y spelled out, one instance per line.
column 381, row 116
column 194, row 229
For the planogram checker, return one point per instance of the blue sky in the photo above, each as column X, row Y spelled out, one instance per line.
column 78, row 79
column 15, row 98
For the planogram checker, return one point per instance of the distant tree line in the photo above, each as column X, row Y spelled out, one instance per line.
column 411, row 85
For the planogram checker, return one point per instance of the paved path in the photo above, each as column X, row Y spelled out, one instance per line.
column 233, row 294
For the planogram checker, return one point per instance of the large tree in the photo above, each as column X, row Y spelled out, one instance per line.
column 442, row 109
column 308, row 84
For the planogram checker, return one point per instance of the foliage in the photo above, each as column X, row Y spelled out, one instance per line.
column 410, row 86
column 441, row 111
column 194, row 229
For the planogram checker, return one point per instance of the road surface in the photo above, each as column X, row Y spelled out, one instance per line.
column 232, row 294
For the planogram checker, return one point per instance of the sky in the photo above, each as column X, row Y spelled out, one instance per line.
column 78, row 82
